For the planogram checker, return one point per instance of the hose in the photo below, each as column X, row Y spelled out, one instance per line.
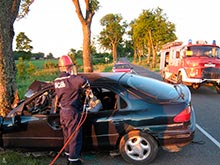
column 81, row 121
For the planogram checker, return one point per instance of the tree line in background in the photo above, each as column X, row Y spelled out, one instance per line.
column 144, row 36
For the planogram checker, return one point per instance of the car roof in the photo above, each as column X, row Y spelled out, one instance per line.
column 110, row 77
column 121, row 63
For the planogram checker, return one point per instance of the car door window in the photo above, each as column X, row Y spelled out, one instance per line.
column 110, row 100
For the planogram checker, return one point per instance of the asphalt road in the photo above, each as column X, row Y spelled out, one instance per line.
column 205, row 149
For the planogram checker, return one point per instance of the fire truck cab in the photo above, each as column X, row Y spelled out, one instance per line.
column 191, row 64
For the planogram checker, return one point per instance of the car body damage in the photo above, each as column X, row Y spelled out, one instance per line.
column 134, row 108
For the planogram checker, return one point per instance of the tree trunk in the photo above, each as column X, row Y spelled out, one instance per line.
column 148, row 52
column 153, row 49
column 154, row 58
column 140, row 54
column 8, row 89
column 135, row 55
column 87, row 60
column 86, row 27
column 114, row 52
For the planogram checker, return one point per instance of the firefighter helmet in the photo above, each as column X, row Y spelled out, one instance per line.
column 64, row 63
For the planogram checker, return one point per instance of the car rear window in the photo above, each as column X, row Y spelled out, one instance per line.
column 152, row 88
column 122, row 66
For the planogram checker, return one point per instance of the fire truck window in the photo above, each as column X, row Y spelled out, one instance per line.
column 198, row 52
column 178, row 54
column 167, row 56
column 214, row 52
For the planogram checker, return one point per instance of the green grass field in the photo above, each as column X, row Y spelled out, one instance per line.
column 47, row 74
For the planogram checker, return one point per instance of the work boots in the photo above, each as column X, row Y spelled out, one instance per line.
column 78, row 162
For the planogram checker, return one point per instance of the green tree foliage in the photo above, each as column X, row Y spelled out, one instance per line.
column 77, row 54
column 24, row 55
column 150, row 31
column 24, row 8
column 73, row 56
column 49, row 65
column 50, row 56
column 38, row 55
column 23, row 43
column 31, row 69
column 112, row 33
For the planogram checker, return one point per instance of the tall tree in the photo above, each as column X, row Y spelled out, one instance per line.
column 23, row 43
column 150, row 31
column 111, row 35
column 9, row 10
column 86, row 20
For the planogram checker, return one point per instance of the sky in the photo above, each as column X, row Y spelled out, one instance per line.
column 53, row 25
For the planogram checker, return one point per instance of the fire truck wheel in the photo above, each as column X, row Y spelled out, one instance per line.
column 195, row 86
column 179, row 78
column 217, row 87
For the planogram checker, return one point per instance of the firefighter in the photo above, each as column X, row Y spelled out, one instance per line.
column 68, row 89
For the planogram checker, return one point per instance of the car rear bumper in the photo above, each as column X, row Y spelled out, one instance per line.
column 173, row 140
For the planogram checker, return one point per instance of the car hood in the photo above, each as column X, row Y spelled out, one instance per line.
column 35, row 87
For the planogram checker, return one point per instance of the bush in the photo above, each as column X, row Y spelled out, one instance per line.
column 49, row 65
column 31, row 69
column 20, row 68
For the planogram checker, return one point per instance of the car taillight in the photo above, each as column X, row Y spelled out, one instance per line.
column 183, row 116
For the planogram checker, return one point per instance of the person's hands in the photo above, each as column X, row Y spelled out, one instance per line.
column 89, row 93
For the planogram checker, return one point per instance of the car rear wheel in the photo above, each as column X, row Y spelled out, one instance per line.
column 138, row 148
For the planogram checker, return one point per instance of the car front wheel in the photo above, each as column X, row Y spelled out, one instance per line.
column 138, row 148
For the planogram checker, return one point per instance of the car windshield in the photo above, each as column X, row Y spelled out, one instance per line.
column 152, row 88
column 209, row 51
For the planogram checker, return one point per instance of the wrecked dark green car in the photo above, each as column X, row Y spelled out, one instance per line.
column 138, row 115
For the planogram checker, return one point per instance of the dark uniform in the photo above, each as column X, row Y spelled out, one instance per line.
column 67, row 88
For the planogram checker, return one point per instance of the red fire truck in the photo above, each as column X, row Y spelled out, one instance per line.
column 193, row 64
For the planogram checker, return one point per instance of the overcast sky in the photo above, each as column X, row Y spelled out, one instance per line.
column 54, row 27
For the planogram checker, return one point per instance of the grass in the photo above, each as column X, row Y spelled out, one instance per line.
column 48, row 74
column 18, row 158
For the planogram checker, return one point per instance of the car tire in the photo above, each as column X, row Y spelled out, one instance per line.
column 137, row 147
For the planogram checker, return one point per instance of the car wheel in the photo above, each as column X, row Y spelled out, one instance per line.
column 138, row 148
